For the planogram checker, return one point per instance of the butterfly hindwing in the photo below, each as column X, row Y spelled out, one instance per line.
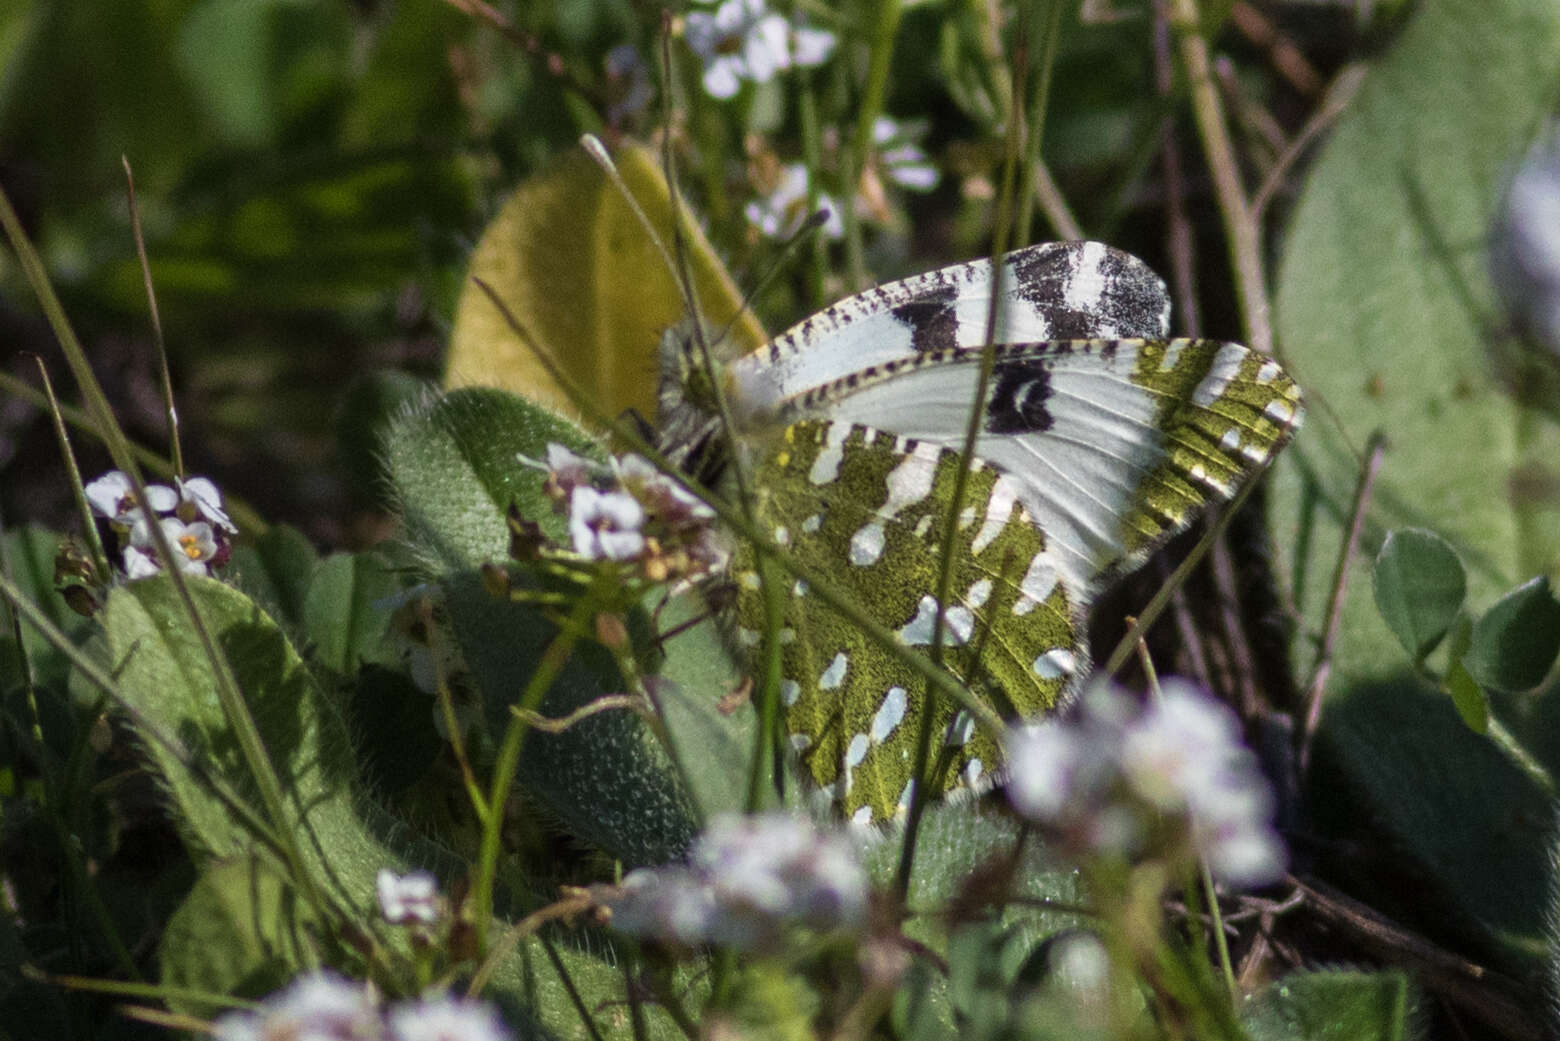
column 867, row 509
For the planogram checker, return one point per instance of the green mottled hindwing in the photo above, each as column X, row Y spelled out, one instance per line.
column 867, row 509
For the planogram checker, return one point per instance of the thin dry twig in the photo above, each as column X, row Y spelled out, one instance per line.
column 1374, row 450
column 1180, row 239
column 605, row 703
column 1287, row 59
column 1339, row 94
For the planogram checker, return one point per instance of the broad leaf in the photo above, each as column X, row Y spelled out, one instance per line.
column 1419, row 584
column 1515, row 642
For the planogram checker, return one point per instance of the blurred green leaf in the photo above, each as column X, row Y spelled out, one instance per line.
column 1381, row 298
column 1419, row 584
column 241, row 932
column 345, row 611
column 1515, row 642
column 1333, row 1005
column 275, row 570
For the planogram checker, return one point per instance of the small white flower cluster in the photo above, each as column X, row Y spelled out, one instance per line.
column 627, row 511
column 780, row 213
column 744, row 40
column 323, row 1007
column 748, row 878
column 190, row 515
column 1525, row 244
column 410, row 899
column 1123, row 779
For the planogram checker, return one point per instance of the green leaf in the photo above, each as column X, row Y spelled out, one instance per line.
column 28, row 554
column 1419, row 585
column 1468, row 698
column 344, row 613
column 456, row 470
column 1415, row 813
column 1333, row 1005
column 240, row 932
column 275, row 570
column 371, row 403
column 1381, row 308
column 1515, row 642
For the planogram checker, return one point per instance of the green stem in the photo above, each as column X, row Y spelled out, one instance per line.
column 1031, row 168
column 885, row 26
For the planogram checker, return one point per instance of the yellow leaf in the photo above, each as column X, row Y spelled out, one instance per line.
column 577, row 270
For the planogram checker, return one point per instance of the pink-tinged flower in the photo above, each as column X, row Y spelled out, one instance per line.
column 314, row 1007
column 407, row 899
column 605, row 525
column 740, row 40
column 447, row 1019
column 901, row 157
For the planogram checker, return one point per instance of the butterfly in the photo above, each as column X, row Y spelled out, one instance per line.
column 1100, row 439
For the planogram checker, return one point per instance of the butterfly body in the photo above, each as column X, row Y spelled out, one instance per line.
column 1099, row 439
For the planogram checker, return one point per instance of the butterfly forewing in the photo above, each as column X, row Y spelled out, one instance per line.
column 866, row 509
column 1054, row 291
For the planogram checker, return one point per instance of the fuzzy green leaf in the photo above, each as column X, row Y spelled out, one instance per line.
column 344, row 613
column 1419, row 584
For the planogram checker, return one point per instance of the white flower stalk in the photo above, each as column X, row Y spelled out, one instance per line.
column 747, row 881
column 410, row 899
column 1113, row 777
column 314, row 1007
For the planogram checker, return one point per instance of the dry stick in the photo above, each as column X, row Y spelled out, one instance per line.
column 1054, row 205
column 1339, row 94
column 528, row 42
column 1242, row 664
column 1181, row 242
column 1494, row 999
column 1374, row 449
column 1257, row 120
column 1245, row 242
column 1287, row 59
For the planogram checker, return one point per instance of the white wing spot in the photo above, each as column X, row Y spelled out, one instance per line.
column 923, row 526
column 1039, row 581
column 911, row 480
column 748, row 637
column 1280, row 410
column 811, row 525
column 800, row 743
column 790, row 691
column 1084, row 286
column 979, row 593
column 906, row 795
column 826, row 467
column 1268, row 372
column 748, row 580
column 972, row 772
column 856, row 751
column 999, row 507
column 834, row 675
column 1055, row 664
column 862, row 816
column 1231, row 439
column 787, row 635
column 866, row 546
column 800, row 589
column 966, row 517
column 1224, row 368
column 1172, row 355
column 889, row 713
column 961, row 731
column 917, row 632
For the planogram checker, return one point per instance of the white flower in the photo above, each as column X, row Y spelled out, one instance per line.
column 447, row 1019
column 1111, row 776
column 404, row 899
column 139, row 564
column 741, row 40
column 780, row 214
column 663, row 497
column 315, row 1007
column 628, row 83
column 605, row 525
column 810, row 46
column 204, row 501
column 112, row 496
column 1525, row 244
column 748, row 878
column 902, row 159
